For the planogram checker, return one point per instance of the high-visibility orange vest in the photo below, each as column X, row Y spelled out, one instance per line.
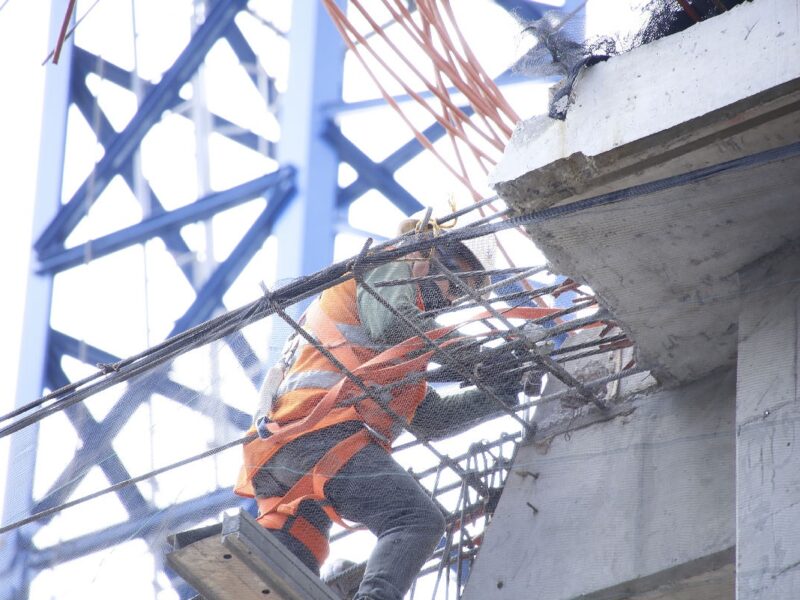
column 314, row 395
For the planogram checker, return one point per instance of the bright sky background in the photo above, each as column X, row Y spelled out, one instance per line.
column 24, row 31
column 23, row 46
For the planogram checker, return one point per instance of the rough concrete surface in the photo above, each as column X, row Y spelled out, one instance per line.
column 768, row 430
column 663, row 86
column 665, row 263
column 640, row 499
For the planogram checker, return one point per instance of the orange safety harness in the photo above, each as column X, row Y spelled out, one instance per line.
column 332, row 319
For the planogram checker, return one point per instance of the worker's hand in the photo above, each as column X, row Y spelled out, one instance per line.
column 508, row 387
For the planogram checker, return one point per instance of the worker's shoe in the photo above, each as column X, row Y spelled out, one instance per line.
column 343, row 577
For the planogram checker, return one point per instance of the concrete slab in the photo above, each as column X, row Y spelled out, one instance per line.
column 620, row 504
column 767, row 432
column 665, row 263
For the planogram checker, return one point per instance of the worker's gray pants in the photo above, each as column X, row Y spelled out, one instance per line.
column 371, row 489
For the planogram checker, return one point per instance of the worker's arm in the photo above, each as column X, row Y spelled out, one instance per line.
column 382, row 325
column 443, row 416
column 388, row 328
column 437, row 416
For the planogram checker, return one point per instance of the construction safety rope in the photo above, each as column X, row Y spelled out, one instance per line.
column 308, row 286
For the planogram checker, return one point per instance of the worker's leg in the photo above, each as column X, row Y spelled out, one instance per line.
column 374, row 490
column 282, row 472
column 268, row 486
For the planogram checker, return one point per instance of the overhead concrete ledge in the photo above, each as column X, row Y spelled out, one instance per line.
column 745, row 58
column 665, row 263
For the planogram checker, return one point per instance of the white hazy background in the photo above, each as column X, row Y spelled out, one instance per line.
column 24, row 28
column 24, row 44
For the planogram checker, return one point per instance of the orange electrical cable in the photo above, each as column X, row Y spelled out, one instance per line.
column 452, row 60
column 432, row 88
column 468, row 88
column 340, row 22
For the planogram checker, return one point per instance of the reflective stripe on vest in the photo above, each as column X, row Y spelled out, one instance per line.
column 332, row 319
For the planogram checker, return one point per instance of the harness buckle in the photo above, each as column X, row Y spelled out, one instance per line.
column 377, row 435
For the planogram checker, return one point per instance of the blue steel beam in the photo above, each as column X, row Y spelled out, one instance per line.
column 170, row 234
column 391, row 163
column 92, row 453
column 100, row 448
column 159, row 99
column 373, row 175
column 157, row 225
column 155, row 522
column 316, row 58
column 87, row 62
column 15, row 572
column 244, row 52
column 91, row 111
column 209, row 297
column 69, row 346
column 90, row 430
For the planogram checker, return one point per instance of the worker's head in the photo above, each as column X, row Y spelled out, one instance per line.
column 455, row 257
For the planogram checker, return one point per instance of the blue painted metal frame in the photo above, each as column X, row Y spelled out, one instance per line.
column 300, row 207
column 315, row 79
column 15, row 570
column 160, row 98
column 277, row 186
column 370, row 174
column 162, row 223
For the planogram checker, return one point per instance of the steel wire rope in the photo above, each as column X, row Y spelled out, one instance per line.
column 121, row 484
column 309, row 285
column 330, row 276
column 604, row 199
column 370, row 390
column 245, row 439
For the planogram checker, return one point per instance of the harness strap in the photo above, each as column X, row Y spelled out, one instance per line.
column 382, row 369
column 275, row 512
column 311, row 486
column 300, row 529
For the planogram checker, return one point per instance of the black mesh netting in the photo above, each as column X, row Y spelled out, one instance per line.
column 430, row 345
column 562, row 45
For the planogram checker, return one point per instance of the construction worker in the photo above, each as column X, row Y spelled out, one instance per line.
column 323, row 451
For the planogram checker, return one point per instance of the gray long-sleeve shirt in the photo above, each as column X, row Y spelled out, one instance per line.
column 437, row 416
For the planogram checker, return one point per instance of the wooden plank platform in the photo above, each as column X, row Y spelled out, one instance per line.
column 239, row 560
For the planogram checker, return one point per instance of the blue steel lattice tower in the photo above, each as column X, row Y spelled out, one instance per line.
column 90, row 216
